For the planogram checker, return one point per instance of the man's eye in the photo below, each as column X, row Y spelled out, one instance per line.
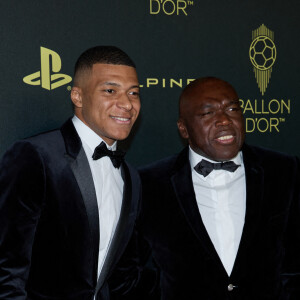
column 110, row 91
column 206, row 113
column 234, row 108
column 134, row 93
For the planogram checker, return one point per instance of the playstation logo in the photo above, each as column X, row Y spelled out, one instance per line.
column 50, row 62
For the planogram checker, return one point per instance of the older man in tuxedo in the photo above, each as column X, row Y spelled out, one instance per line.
column 68, row 200
column 222, row 218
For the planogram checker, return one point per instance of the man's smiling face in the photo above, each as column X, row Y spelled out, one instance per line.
column 108, row 100
column 211, row 119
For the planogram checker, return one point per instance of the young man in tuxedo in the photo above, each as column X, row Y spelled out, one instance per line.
column 222, row 217
column 68, row 200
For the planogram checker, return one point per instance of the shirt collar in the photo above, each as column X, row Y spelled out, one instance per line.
column 90, row 137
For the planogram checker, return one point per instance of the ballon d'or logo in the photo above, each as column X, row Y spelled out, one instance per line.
column 262, row 55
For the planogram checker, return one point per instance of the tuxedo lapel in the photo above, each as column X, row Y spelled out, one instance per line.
column 183, row 187
column 79, row 165
column 125, row 224
column 254, row 200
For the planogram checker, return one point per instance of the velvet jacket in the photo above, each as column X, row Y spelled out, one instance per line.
column 267, row 265
column 49, row 224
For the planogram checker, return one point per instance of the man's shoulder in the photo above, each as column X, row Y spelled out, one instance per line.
column 30, row 154
column 47, row 143
column 43, row 137
column 42, row 142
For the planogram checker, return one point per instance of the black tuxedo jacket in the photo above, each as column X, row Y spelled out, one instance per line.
column 49, row 226
column 267, row 265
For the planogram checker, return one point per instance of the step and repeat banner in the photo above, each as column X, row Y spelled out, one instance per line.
column 254, row 45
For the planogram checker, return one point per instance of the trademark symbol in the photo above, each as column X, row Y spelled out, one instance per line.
column 281, row 119
column 69, row 88
column 190, row 3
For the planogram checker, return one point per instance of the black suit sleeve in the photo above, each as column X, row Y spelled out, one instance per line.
column 291, row 270
column 21, row 198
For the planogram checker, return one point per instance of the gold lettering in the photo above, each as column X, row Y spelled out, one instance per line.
column 151, row 7
column 274, row 123
column 255, row 105
column 276, row 104
column 248, row 106
column 247, row 125
column 263, row 105
column 188, row 81
column 152, row 81
column 181, row 8
column 241, row 103
column 286, row 105
column 178, row 83
column 259, row 125
column 174, row 7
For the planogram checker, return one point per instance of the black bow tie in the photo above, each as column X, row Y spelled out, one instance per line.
column 116, row 157
column 204, row 167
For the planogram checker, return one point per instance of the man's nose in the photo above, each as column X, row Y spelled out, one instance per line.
column 222, row 119
column 124, row 102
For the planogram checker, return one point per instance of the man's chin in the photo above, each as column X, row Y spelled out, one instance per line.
column 225, row 157
column 120, row 137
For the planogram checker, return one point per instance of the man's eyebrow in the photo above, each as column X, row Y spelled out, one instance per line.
column 117, row 84
column 206, row 105
column 210, row 105
column 235, row 101
column 110, row 83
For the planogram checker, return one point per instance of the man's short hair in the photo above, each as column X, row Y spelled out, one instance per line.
column 100, row 55
column 197, row 82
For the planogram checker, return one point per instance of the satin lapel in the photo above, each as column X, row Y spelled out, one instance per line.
column 125, row 224
column 80, row 167
column 183, row 187
column 254, row 201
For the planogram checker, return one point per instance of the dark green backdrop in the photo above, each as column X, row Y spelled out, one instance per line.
column 200, row 38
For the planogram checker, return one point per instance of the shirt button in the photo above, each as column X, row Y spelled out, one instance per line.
column 230, row 287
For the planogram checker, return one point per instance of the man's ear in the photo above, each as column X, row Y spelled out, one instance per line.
column 182, row 129
column 76, row 96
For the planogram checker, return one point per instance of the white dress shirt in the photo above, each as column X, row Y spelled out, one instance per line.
column 221, row 199
column 108, row 184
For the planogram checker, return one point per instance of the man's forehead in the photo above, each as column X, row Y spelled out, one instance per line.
column 212, row 93
column 122, row 72
column 103, row 67
column 214, row 101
